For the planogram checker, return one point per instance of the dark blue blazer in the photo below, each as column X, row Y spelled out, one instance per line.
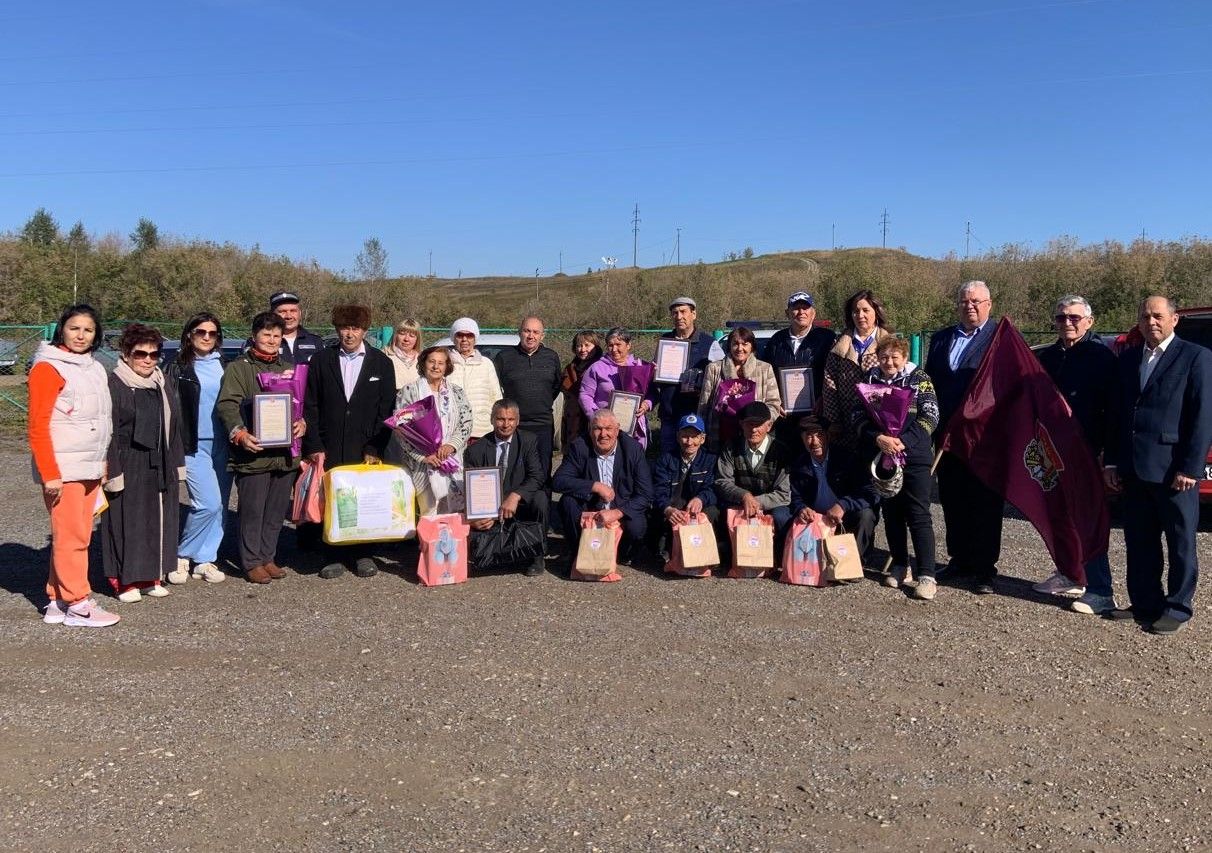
column 951, row 385
column 847, row 482
column 700, row 480
column 632, row 478
column 1165, row 428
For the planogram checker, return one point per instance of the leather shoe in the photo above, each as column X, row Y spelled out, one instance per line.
column 332, row 570
column 1165, row 624
column 275, row 571
column 364, row 567
column 536, row 568
column 1124, row 615
column 984, row 588
column 257, row 574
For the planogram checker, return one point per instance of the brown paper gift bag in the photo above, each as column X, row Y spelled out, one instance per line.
column 597, row 551
column 752, row 544
column 842, row 558
column 696, row 547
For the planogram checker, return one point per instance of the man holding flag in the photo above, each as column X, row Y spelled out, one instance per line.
column 971, row 510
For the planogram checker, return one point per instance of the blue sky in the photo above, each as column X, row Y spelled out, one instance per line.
column 498, row 135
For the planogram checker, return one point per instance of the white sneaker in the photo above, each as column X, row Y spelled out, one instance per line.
column 180, row 574
column 130, row 596
column 1058, row 584
column 156, row 591
column 54, row 613
column 1093, row 604
column 926, row 589
column 897, row 576
column 209, row 572
column 88, row 614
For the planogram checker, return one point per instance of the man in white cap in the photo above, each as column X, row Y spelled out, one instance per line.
column 475, row 374
column 682, row 399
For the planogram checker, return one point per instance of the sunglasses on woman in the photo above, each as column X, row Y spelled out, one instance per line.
column 139, row 354
column 205, row 333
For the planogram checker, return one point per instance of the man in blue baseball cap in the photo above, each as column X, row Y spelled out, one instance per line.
column 683, row 483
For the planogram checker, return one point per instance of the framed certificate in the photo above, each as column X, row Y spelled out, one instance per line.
column 482, row 487
column 626, row 407
column 672, row 359
column 271, row 419
column 795, row 387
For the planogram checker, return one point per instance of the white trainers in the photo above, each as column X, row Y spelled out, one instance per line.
column 156, row 591
column 54, row 613
column 88, row 614
column 130, row 596
column 180, row 574
column 897, row 576
column 209, row 572
column 926, row 589
column 1093, row 604
column 1058, row 584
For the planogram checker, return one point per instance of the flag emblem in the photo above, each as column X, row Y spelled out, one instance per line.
column 1042, row 460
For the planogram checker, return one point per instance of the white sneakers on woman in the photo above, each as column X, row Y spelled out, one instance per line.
column 88, row 614
column 208, row 572
column 180, row 574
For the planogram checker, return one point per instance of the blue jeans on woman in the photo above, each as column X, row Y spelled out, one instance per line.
column 209, row 484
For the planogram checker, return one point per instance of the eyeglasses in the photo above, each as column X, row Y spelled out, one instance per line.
column 1069, row 318
column 138, row 354
column 205, row 333
column 964, row 303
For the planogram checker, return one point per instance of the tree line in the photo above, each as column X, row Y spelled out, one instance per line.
column 148, row 276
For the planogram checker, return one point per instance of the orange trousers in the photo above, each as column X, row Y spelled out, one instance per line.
column 71, row 519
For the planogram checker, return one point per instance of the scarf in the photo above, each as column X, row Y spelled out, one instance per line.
column 440, row 484
column 409, row 359
column 261, row 357
column 145, row 433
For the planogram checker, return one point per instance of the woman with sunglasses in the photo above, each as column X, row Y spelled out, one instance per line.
column 196, row 373
column 69, row 430
column 146, row 464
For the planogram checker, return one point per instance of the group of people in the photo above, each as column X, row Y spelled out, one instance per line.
column 137, row 438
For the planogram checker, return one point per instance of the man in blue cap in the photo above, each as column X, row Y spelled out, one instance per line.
column 799, row 345
column 683, row 482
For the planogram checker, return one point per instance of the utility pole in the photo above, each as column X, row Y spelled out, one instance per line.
column 75, row 273
column 884, row 227
column 678, row 246
column 833, row 236
column 536, row 283
column 431, row 263
column 635, row 234
column 561, row 261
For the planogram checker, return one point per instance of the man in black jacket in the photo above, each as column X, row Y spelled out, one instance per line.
column 298, row 344
column 515, row 452
column 679, row 400
column 351, row 391
column 530, row 374
column 1083, row 368
column 799, row 345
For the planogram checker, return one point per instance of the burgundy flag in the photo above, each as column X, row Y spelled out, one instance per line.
column 1016, row 433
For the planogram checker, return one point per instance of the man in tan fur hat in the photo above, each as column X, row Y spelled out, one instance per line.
column 351, row 390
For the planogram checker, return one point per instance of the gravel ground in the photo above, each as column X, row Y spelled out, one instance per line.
column 539, row 714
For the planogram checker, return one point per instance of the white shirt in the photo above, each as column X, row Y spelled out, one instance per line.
column 351, row 368
column 1151, row 357
column 756, row 454
column 606, row 467
column 503, row 451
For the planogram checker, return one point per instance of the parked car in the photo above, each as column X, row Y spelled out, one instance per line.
column 8, row 357
column 229, row 351
column 763, row 331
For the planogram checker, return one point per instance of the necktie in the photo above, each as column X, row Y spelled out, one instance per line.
column 501, row 449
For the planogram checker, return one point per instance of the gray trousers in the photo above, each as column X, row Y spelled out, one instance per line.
column 264, row 498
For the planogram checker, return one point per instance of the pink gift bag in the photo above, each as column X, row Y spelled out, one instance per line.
column 443, row 544
column 802, row 563
column 308, row 502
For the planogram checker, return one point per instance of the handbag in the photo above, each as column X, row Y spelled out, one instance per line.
column 802, row 554
column 307, row 506
column 597, row 551
column 443, row 549
column 694, row 552
column 842, row 559
column 508, row 545
column 752, row 544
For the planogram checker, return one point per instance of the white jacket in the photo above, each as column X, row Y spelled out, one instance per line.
column 82, row 420
column 477, row 376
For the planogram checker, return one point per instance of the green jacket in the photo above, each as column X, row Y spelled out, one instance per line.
column 234, row 409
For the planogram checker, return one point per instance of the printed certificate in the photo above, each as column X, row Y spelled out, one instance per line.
column 672, row 359
column 626, row 407
column 482, row 487
column 795, row 387
column 272, row 423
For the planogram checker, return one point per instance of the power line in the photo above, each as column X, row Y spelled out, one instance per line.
column 635, row 234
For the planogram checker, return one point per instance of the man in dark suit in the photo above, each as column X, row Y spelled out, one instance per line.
column 834, row 482
column 801, row 344
column 971, row 510
column 609, row 475
column 351, row 390
column 1161, row 432
column 516, row 453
